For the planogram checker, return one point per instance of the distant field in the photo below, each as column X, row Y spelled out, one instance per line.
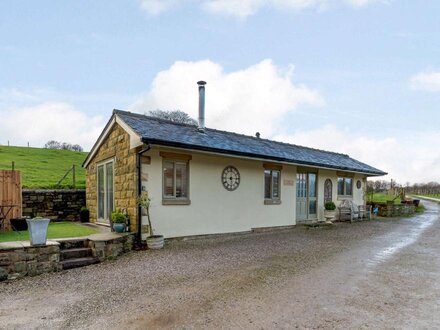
column 43, row 168
column 382, row 198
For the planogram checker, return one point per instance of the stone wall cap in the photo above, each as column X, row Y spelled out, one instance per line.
column 24, row 244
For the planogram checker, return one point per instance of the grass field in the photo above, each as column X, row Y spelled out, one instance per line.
column 43, row 168
column 382, row 198
column 56, row 230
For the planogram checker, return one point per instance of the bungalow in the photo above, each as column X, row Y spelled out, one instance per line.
column 207, row 181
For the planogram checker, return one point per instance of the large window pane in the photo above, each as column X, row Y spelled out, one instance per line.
column 181, row 180
column 312, row 185
column 348, row 186
column 100, row 192
column 168, row 179
column 340, row 186
column 267, row 179
column 109, row 188
column 275, row 184
column 312, row 207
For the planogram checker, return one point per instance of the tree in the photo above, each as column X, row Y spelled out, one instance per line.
column 52, row 144
column 77, row 147
column 175, row 116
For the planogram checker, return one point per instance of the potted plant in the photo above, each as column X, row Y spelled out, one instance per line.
column 153, row 241
column 84, row 214
column 118, row 220
column 329, row 211
column 37, row 228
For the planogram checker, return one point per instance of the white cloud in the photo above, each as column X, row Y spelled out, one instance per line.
column 49, row 121
column 245, row 8
column 245, row 101
column 406, row 159
column 156, row 7
column 427, row 81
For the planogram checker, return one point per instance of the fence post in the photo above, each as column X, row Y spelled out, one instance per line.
column 74, row 177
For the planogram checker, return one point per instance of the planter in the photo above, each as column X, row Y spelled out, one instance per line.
column 38, row 230
column 416, row 202
column 119, row 227
column 329, row 215
column 155, row 242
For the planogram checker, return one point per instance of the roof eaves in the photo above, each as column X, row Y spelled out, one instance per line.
column 252, row 155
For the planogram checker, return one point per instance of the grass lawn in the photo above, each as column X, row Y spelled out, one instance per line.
column 56, row 230
column 382, row 198
column 43, row 168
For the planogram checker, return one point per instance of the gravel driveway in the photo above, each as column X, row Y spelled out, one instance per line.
column 377, row 274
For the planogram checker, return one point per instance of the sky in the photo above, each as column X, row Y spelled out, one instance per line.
column 360, row 77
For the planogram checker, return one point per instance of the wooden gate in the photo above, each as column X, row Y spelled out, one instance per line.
column 10, row 195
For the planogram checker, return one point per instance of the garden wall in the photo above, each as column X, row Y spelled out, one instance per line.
column 55, row 204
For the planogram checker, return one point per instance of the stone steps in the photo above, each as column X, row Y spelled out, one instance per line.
column 79, row 262
column 76, row 253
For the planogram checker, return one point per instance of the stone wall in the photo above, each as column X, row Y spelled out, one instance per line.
column 117, row 148
column 18, row 259
column 109, row 248
column 53, row 204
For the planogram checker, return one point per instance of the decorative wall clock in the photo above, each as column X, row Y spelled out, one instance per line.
column 230, row 178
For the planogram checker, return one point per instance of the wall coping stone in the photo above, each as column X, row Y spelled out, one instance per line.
column 24, row 244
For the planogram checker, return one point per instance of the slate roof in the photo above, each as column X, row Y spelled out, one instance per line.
column 163, row 132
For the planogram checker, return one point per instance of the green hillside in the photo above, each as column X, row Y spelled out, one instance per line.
column 43, row 168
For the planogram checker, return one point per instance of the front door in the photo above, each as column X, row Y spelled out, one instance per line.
column 105, row 191
column 306, row 196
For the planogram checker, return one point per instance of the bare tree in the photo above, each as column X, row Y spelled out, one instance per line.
column 52, row 144
column 176, row 116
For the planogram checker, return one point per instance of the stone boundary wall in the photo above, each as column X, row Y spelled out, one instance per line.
column 19, row 259
column 55, row 204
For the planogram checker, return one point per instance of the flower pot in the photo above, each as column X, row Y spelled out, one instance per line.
column 38, row 230
column 119, row 227
column 329, row 215
column 155, row 242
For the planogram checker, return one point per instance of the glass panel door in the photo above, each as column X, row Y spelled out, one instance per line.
column 312, row 195
column 306, row 196
column 101, row 191
column 105, row 192
column 109, row 189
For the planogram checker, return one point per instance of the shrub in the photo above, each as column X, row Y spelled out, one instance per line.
column 118, row 217
column 330, row 206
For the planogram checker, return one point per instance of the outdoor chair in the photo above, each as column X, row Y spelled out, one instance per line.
column 348, row 210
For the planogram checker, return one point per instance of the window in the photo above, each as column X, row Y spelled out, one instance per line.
column 105, row 189
column 175, row 182
column 272, row 186
column 345, row 186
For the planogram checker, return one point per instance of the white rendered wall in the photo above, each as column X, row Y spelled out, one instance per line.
column 214, row 209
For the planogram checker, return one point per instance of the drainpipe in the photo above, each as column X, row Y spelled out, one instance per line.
column 139, row 167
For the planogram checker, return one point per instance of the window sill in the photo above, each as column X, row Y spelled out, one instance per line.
column 176, row 201
column 272, row 202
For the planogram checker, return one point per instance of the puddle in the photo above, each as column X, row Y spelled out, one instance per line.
column 422, row 222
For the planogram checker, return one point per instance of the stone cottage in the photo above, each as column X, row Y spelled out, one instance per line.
column 207, row 181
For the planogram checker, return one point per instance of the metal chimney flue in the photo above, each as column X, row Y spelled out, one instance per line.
column 201, row 127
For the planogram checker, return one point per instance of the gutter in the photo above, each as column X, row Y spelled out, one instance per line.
column 150, row 141
column 139, row 215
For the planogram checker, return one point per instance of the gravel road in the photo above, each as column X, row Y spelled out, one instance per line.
column 381, row 274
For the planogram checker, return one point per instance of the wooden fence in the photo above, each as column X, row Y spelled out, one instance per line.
column 10, row 194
